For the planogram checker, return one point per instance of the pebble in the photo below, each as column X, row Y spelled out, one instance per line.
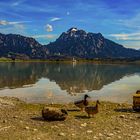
column 94, row 137
column 15, row 117
column 132, row 118
column 132, row 136
column 138, row 133
column 4, row 121
column 126, row 125
column 84, row 124
column 61, row 124
column 55, row 126
column 119, row 137
column 125, row 134
column 34, row 129
column 115, row 133
column 116, row 128
column 29, row 113
column 100, row 134
column 126, row 120
column 89, row 131
column 27, row 128
column 118, row 131
column 61, row 134
column 73, row 134
column 110, row 134
column 122, row 116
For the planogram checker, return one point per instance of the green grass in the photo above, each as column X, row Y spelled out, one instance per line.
column 96, row 61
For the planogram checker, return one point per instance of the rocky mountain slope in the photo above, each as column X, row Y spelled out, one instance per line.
column 21, row 46
column 78, row 43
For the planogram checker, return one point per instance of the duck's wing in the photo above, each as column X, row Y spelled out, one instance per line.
column 78, row 102
column 90, row 108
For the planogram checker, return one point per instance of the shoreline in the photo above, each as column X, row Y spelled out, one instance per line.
column 20, row 120
column 77, row 61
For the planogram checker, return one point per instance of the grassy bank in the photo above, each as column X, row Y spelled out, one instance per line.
column 23, row 121
column 95, row 61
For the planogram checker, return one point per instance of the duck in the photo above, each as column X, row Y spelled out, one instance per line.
column 91, row 110
column 82, row 103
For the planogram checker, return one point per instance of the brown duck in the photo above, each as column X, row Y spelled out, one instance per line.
column 91, row 110
column 82, row 103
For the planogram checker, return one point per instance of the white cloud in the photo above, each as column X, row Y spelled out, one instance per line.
column 49, row 28
column 18, row 22
column 126, row 36
column 18, row 2
column 132, row 23
column 15, row 29
column 68, row 13
column 49, row 36
column 19, row 26
column 15, row 4
column 119, row 36
column 4, row 22
column 55, row 19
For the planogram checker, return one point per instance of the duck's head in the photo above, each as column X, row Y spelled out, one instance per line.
column 138, row 91
column 86, row 96
column 98, row 102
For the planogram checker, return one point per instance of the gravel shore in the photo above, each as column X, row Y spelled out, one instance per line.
column 22, row 121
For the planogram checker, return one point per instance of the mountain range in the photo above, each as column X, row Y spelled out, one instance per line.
column 20, row 46
column 72, row 43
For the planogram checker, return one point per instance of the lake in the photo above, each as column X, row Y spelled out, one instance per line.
column 66, row 82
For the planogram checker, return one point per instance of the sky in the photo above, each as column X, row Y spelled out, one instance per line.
column 45, row 20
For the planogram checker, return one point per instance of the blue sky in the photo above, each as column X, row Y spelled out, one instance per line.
column 45, row 20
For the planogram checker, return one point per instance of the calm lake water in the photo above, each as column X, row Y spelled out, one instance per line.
column 60, row 83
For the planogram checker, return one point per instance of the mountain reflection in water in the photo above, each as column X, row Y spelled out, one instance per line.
column 79, row 78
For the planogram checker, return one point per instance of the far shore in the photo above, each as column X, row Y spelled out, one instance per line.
column 96, row 61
